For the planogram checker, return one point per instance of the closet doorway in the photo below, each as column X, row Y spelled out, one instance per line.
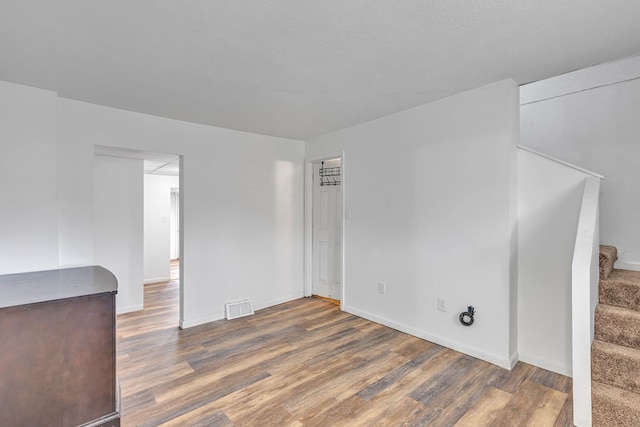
column 327, row 224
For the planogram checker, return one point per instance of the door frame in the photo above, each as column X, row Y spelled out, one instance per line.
column 131, row 153
column 308, row 222
column 174, row 227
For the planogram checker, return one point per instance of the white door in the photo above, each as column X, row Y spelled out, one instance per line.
column 327, row 232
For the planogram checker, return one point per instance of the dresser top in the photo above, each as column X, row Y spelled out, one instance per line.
column 51, row 285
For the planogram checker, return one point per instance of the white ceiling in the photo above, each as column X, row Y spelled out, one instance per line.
column 299, row 68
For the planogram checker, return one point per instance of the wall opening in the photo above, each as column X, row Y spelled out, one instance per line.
column 160, row 250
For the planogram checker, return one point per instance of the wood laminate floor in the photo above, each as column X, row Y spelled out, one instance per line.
column 306, row 363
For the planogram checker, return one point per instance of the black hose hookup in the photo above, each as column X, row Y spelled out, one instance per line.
column 466, row 318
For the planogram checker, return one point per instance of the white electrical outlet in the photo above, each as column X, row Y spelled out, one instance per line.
column 382, row 287
column 442, row 304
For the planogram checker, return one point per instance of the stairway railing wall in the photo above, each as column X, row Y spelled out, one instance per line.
column 584, row 297
column 550, row 196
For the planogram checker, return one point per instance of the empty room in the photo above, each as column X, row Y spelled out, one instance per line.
column 296, row 213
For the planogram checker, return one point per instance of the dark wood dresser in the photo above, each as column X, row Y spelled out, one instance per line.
column 57, row 348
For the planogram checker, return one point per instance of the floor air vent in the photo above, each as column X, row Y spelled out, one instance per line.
column 238, row 309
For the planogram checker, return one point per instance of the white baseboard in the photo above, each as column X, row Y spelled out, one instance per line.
column 282, row 300
column 547, row 364
column 158, row 280
column 515, row 358
column 445, row 342
column 627, row 264
column 129, row 309
column 184, row 324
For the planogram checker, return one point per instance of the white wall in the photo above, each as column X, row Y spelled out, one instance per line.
column 234, row 185
column 590, row 118
column 431, row 192
column 549, row 200
column 157, row 218
column 118, row 192
column 28, row 170
column 242, row 202
column 584, row 299
column 242, row 199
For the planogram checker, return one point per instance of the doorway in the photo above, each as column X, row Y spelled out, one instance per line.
column 162, row 227
column 327, row 226
column 153, row 211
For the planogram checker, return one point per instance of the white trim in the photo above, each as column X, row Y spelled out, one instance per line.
column 562, row 162
column 308, row 229
column 308, row 222
column 627, row 264
column 158, row 280
column 129, row 309
column 514, row 359
column 597, row 76
column 184, row 324
column 277, row 301
column 220, row 315
column 549, row 365
column 181, row 248
column 506, row 363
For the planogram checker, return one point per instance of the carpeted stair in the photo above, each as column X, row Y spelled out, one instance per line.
column 615, row 354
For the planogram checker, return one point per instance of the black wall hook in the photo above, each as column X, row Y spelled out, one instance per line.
column 466, row 318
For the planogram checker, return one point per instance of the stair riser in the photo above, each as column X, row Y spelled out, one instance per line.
column 618, row 326
column 608, row 256
column 625, row 295
column 615, row 353
column 616, row 368
column 614, row 409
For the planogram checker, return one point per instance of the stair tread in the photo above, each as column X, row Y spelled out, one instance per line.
column 616, row 365
column 619, row 311
column 613, row 406
column 614, row 348
column 621, row 288
column 632, row 276
column 615, row 352
column 617, row 325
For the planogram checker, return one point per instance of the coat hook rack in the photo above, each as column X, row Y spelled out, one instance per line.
column 329, row 176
